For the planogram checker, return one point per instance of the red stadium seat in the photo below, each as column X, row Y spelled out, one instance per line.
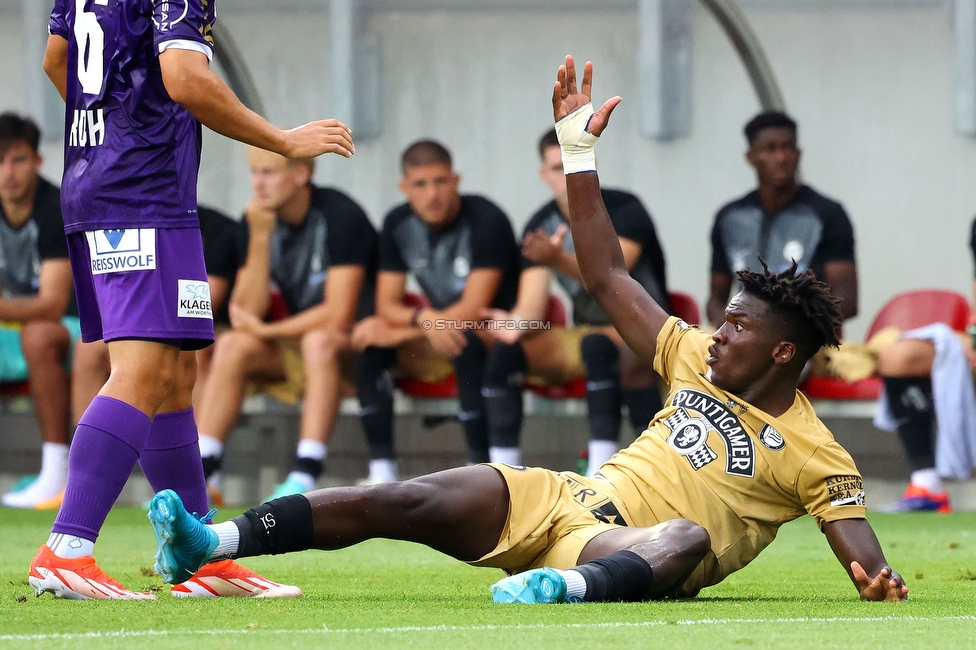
column 277, row 309
column 685, row 307
column 906, row 311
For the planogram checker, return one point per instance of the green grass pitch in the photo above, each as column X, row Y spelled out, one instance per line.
column 393, row 595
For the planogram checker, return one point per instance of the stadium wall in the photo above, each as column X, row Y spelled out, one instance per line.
column 870, row 83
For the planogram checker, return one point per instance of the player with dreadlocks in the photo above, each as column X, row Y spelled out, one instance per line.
column 736, row 452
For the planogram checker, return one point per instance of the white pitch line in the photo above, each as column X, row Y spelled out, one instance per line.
column 129, row 634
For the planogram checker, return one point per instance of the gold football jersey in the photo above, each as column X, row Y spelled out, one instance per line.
column 729, row 467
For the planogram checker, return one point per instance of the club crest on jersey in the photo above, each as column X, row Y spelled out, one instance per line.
column 122, row 249
column 461, row 267
column 771, row 438
column 194, row 299
column 689, row 437
column 740, row 458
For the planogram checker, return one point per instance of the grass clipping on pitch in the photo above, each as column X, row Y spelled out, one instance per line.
column 392, row 595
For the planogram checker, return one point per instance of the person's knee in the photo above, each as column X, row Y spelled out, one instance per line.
column 906, row 358
column 693, row 538
column 599, row 354
column 321, row 348
column 232, row 349
column 411, row 498
column 44, row 341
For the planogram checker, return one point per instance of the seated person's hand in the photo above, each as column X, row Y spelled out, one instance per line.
column 245, row 321
column 448, row 342
column 543, row 248
column 501, row 333
column 259, row 218
column 376, row 332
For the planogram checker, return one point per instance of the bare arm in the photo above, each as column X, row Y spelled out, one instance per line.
column 219, row 288
column 857, row 548
column 479, row 290
column 52, row 296
column 56, row 63
column 391, row 287
column 191, row 83
column 718, row 298
column 252, row 289
column 545, row 249
column 842, row 278
column 635, row 315
column 337, row 312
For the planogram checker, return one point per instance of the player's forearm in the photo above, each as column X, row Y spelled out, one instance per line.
column 600, row 260
column 22, row 310
column 253, row 287
column 318, row 317
column 200, row 91
column 395, row 312
column 568, row 266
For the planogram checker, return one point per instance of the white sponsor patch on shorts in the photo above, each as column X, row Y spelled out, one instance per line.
column 122, row 249
column 194, row 300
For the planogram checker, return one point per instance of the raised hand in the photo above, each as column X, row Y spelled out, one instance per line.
column 543, row 248
column 887, row 585
column 566, row 98
column 319, row 137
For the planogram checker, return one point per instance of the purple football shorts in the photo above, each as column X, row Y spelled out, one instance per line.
column 142, row 283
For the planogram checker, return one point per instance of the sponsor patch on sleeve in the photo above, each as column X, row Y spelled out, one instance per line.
column 845, row 491
column 194, row 300
column 123, row 249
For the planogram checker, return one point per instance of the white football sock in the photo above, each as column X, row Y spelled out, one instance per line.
column 600, row 451
column 230, row 539
column 928, row 479
column 313, row 449
column 54, row 464
column 506, row 455
column 70, row 546
column 575, row 583
column 383, row 470
column 306, row 480
column 210, row 447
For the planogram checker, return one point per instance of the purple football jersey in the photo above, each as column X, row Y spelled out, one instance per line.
column 131, row 153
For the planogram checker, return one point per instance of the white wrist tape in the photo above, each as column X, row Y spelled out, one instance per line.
column 576, row 142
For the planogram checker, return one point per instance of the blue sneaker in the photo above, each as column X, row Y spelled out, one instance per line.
column 287, row 488
column 183, row 542
column 531, row 587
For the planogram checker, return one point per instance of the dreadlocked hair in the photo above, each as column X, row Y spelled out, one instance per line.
column 803, row 304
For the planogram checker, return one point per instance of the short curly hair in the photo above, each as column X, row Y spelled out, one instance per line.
column 804, row 305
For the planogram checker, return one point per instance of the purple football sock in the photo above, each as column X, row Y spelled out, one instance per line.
column 171, row 459
column 105, row 448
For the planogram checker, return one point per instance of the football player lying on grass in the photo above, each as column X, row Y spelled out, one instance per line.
column 735, row 453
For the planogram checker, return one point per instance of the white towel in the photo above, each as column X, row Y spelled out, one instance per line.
column 955, row 403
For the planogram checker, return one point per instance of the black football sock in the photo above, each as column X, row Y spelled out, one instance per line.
column 621, row 576
column 642, row 405
column 211, row 465
column 910, row 399
column 503, row 393
column 314, row 467
column 469, row 366
column 280, row 526
column 603, row 396
column 374, row 384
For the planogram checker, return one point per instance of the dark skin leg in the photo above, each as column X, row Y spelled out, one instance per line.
column 460, row 512
column 673, row 549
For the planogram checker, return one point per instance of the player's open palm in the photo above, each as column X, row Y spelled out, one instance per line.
column 887, row 585
column 566, row 97
column 319, row 137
